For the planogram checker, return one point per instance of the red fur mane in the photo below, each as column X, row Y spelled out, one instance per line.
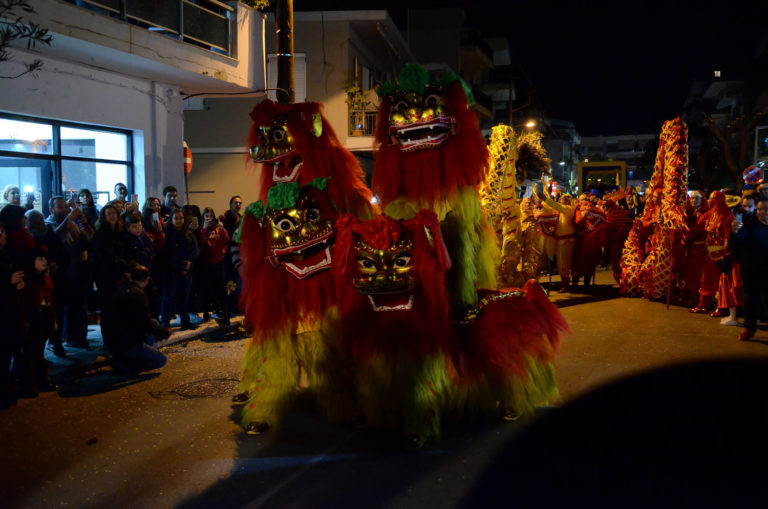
column 272, row 299
column 323, row 156
column 424, row 330
column 431, row 174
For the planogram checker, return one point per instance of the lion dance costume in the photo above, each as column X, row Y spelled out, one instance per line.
column 512, row 220
column 648, row 259
column 432, row 155
column 415, row 365
column 288, row 292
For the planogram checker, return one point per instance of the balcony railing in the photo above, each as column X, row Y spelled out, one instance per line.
column 362, row 123
column 204, row 23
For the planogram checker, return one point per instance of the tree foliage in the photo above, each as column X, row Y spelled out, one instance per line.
column 13, row 28
column 259, row 5
column 733, row 142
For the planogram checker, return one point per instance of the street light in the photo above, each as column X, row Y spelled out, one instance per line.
column 530, row 124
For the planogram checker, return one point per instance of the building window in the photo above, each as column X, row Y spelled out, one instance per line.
column 44, row 158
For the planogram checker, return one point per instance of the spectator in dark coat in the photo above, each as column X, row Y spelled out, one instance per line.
column 170, row 194
column 152, row 222
column 57, row 262
column 231, row 218
column 109, row 249
column 178, row 259
column 194, row 221
column 38, row 323
column 71, row 226
column 88, row 206
column 154, row 227
column 139, row 247
column 131, row 345
column 20, row 241
column 11, row 286
column 751, row 243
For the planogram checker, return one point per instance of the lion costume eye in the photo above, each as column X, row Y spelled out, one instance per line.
column 366, row 263
column 284, row 223
column 313, row 214
column 401, row 106
column 402, row 261
column 278, row 135
column 432, row 101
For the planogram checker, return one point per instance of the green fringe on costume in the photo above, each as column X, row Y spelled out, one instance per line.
column 471, row 242
column 404, row 393
column 487, row 399
column 272, row 373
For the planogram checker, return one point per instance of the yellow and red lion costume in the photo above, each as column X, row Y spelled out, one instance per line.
column 288, row 298
column 432, row 155
column 289, row 295
column 414, row 364
column 295, row 143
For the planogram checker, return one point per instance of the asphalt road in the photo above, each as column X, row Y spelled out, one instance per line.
column 645, row 392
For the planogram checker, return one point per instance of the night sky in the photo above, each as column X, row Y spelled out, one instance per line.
column 613, row 67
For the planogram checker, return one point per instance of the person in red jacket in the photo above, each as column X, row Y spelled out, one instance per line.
column 215, row 243
column 38, row 323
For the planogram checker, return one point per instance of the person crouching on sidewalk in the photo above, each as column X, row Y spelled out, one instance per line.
column 132, row 343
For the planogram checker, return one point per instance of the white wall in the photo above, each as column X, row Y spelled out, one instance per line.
column 78, row 93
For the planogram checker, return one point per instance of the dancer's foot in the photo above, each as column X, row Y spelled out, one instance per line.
column 747, row 334
column 240, row 399
column 256, row 428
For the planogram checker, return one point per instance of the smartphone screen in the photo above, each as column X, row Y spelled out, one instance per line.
column 135, row 198
column 155, row 217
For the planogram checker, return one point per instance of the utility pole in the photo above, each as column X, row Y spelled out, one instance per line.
column 284, row 30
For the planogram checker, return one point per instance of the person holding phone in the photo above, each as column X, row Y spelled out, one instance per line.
column 88, row 206
column 178, row 257
column 153, row 227
column 74, row 277
column 121, row 192
column 215, row 245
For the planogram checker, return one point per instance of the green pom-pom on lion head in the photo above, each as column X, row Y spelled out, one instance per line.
column 415, row 78
column 256, row 209
column 320, row 183
column 283, row 195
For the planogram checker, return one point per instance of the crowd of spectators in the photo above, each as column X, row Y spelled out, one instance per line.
column 132, row 269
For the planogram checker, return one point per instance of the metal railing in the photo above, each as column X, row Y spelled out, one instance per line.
column 362, row 123
column 201, row 22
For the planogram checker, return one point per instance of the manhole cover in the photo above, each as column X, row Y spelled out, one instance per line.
column 207, row 388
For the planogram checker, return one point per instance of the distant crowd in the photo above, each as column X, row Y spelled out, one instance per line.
column 131, row 268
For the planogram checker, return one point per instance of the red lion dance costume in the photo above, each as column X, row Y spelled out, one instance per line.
column 288, row 293
column 295, row 143
column 432, row 155
column 414, row 364
column 649, row 271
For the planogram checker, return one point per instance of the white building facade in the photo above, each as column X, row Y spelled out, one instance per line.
column 107, row 105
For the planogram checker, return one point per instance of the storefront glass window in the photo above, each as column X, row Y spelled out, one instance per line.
column 99, row 178
column 48, row 157
column 28, row 137
column 96, row 144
